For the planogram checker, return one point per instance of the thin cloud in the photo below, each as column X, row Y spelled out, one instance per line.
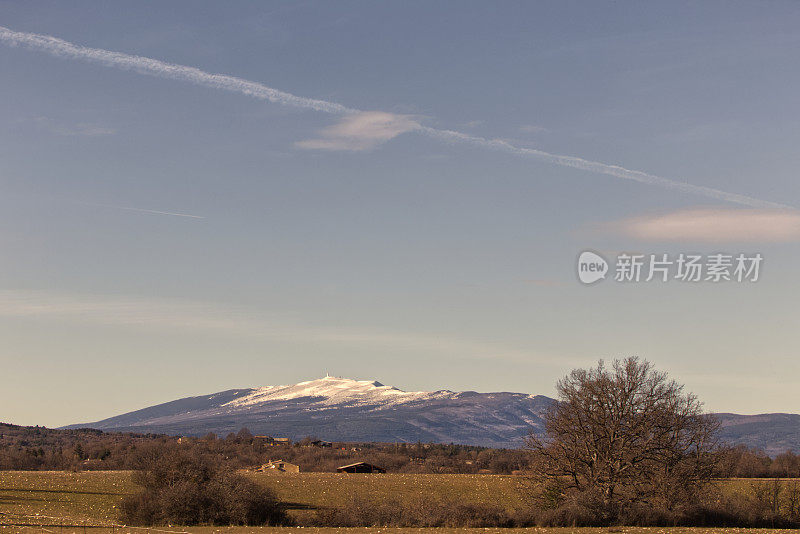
column 81, row 129
column 205, row 318
column 153, row 67
column 713, row 225
column 361, row 131
column 533, row 128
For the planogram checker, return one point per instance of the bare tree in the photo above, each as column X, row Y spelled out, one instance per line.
column 621, row 436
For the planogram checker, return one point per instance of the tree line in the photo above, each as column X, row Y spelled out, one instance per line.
column 39, row 448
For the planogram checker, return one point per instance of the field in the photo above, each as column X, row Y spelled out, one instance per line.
column 73, row 502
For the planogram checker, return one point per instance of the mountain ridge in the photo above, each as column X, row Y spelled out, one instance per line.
column 343, row 409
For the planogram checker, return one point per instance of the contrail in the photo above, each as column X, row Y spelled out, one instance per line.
column 153, row 67
column 142, row 210
column 144, row 65
column 602, row 168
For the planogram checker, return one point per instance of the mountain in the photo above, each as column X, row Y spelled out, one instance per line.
column 341, row 409
column 773, row 432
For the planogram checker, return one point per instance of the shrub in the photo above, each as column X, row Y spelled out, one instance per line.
column 180, row 489
column 743, row 510
column 426, row 513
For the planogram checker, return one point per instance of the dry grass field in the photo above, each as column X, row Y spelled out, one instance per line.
column 93, row 496
column 334, row 489
column 66, row 502
column 364, row 530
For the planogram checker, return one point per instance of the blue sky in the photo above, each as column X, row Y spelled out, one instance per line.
column 359, row 245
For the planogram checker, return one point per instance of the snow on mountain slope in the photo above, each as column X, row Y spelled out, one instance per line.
column 333, row 390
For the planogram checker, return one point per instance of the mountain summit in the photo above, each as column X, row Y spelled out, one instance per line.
column 332, row 391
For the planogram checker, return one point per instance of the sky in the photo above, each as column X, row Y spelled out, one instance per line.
column 205, row 196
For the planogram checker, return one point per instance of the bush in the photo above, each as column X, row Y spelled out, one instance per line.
column 752, row 509
column 180, row 489
column 752, row 506
column 427, row 513
column 568, row 515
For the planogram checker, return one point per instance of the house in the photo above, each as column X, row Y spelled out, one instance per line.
column 280, row 466
column 269, row 441
column 360, row 467
column 321, row 443
column 92, row 463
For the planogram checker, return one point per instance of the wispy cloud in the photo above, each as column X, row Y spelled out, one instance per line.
column 361, row 131
column 533, row 128
column 715, row 225
column 153, row 67
column 207, row 318
column 79, row 129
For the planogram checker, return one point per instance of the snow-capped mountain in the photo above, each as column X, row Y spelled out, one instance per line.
column 342, row 409
column 331, row 390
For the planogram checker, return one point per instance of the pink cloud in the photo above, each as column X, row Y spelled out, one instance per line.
column 713, row 225
column 360, row 131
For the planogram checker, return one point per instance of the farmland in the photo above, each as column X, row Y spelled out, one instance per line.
column 59, row 498
column 93, row 496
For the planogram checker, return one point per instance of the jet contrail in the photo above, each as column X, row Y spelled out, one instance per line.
column 144, row 65
column 142, row 210
column 601, row 168
column 153, row 67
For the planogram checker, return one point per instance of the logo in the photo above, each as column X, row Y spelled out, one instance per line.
column 591, row 267
column 683, row 267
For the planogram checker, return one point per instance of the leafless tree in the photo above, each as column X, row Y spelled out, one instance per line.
column 624, row 436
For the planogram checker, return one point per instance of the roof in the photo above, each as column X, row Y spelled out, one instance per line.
column 355, row 464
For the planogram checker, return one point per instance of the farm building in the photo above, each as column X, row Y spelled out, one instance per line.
column 269, row 441
column 360, row 467
column 279, row 465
